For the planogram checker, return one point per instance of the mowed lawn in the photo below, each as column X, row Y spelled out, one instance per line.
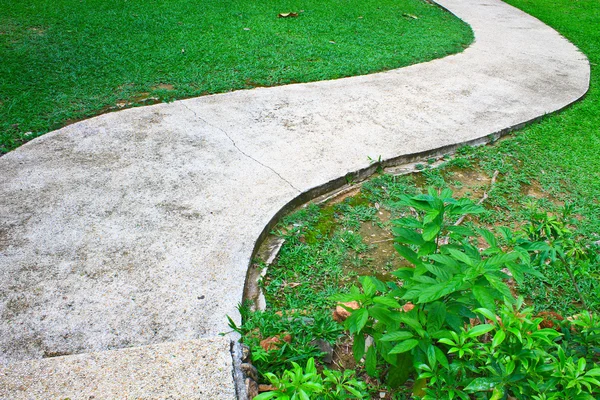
column 64, row 60
column 562, row 152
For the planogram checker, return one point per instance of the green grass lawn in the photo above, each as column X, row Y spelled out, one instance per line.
column 64, row 60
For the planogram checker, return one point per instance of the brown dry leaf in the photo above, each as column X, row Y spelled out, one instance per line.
column 410, row 16
column 287, row 15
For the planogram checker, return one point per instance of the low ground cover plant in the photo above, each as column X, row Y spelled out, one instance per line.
column 448, row 322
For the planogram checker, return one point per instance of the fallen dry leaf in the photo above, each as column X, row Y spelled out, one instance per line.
column 410, row 16
column 287, row 15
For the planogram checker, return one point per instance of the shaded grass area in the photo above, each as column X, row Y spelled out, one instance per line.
column 66, row 60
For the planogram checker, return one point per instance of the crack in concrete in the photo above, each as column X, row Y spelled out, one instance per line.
column 240, row 150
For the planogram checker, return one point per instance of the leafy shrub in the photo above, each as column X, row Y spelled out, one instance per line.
column 298, row 383
column 303, row 330
column 441, row 321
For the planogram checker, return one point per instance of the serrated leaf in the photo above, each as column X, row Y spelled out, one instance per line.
column 462, row 257
column 431, row 216
column 407, row 253
column 461, row 230
column 368, row 285
column 357, row 320
column 488, row 236
column 405, row 346
column 407, row 236
column 430, row 231
column 438, row 271
column 501, row 259
column 446, row 261
column 427, row 248
column 408, row 222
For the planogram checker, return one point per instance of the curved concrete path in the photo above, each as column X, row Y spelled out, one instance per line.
column 137, row 227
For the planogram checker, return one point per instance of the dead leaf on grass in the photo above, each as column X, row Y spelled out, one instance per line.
column 287, row 15
column 410, row 16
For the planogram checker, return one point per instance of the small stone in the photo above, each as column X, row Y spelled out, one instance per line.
column 273, row 342
column 249, row 371
column 326, row 348
column 245, row 353
column 341, row 314
column 251, row 388
column 266, row 388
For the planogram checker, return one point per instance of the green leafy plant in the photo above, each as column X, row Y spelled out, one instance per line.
column 307, row 383
column 511, row 356
column 449, row 279
column 302, row 329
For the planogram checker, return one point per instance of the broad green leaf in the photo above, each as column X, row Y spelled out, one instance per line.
column 440, row 290
column 488, row 236
column 498, row 338
column 398, row 374
column 405, row 346
column 481, row 384
column 427, row 248
column 462, row 257
column 358, row 347
column 536, row 246
column 430, row 231
column 438, row 271
column 446, row 261
column 407, row 253
column 368, row 285
column 396, row 336
column 501, row 259
column 384, row 315
column 371, row 362
column 593, row 372
column 386, row 301
column 484, row 296
column 357, row 320
column 407, row 236
column 479, row 330
column 431, row 355
column 408, row 222
column 500, row 286
column 436, row 316
column 441, row 358
column 404, row 273
column 431, row 216
column 486, row 313
column 461, row 230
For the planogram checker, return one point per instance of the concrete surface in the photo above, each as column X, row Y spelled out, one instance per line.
column 136, row 227
column 196, row 369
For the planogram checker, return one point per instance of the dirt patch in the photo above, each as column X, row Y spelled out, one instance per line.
column 163, row 86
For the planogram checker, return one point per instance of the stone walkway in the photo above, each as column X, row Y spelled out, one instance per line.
column 136, row 228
